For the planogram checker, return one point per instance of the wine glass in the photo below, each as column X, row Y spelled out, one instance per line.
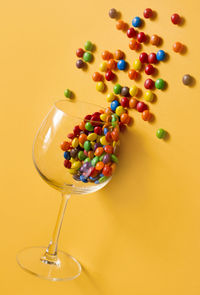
column 51, row 263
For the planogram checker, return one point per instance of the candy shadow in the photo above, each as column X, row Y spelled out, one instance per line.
column 167, row 137
column 155, row 99
column 94, row 48
column 182, row 22
column 184, row 50
column 161, row 41
column 147, row 40
column 155, row 73
column 154, row 15
column 193, row 83
column 85, row 67
column 139, row 93
column 167, row 57
column 152, row 119
column 119, row 15
column 166, row 86
column 142, row 26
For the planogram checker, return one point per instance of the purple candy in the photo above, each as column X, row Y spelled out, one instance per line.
column 86, row 166
column 88, row 172
column 96, row 145
column 81, row 169
column 106, row 159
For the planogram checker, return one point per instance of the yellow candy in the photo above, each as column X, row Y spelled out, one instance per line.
column 75, row 142
column 72, row 171
column 92, row 143
column 110, row 97
column 103, row 66
column 103, row 140
column 76, row 165
column 116, row 143
column 98, row 138
column 103, row 117
column 148, row 96
column 137, row 64
column 81, row 145
column 119, row 110
column 100, row 86
column 72, row 160
column 133, row 90
column 92, row 137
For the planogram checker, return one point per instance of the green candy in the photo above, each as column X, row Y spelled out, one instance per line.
column 102, row 179
column 87, row 145
column 88, row 45
column 81, row 156
column 117, row 89
column 114, row 118
column 101, row 157
column 160, row 133
column 114, row 158
column 87, row 56
column 68, row 93
column 94, row 161
column 89, row 126
column 87, row 160
column 160, row 83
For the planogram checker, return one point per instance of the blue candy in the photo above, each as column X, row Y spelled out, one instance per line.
column 97, row 182
column 136, row 22
column 160, row 55
column 67, row 155
column 114, row 104
column 105, row 130
column 121, row 65
column 83, row 179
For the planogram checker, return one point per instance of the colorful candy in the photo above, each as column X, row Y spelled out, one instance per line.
column 141, row 37
column 88, row 45
column 131, row 33
column 119, row 54
column 100, row 86
column 97, row 77
column 68, row 93
column 120, row 25
column 143, row 57
column 152, row 58
column 141, row 106
column 114, row 104
column 109, row 75
column 117, row 88
column 106, row 55
column 136, row 22
column 149, row 69
column 133, row 44
column 132, row 74
column 155, row 40
column 124, row 91
column 111, row 64
column 87, row 56
column 160, row 84
column 113, row 13
column 79, row 52
column 137, row 64
column 160, row 55
column 121, row 65
column 176, row 19
column 80, row 63
column 148, row 13
column 187, row 79
column 160, row 133
column 148, row 95
column 146, row 116
column 178, row 47
column 133, row 90
column 103, row 66
column 149, row 84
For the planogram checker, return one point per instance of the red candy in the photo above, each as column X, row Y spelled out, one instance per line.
column 109, row 75
column 131, row 33
column 141, row 37
column 149, row 84
column 148, row 13
column 95, row 119
column 76, row 130
column 176, row 19
column 152, row 58
column 79, row 52
column 71, row 136
column 87, row 118
column 108, row 149
column 143, row 57
column 109, row 137
column 107, row 170
column 149, row 69
column 67, row 164
column 98, row 130
column 124, row 102
column 141, row 106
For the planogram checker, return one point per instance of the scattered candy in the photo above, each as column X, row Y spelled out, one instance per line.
column 88, row 45
column 148, row 13
column 148, row 95
column 141, row 37
column 110, row 97
column 155, row 40
column 109, row 75
column 187, row 79
column 178, row 47
column 132, row 74
column 114, row 104
column 133, row 90
column 143, row 57
column 117, row 89
column 121, row 65
column 160, row 133
column 111, row 64
column 149, row 84
column 120, row 25
column 97, row 77
column 124, row 91
column 87, row 56
column 113, row 13
column 160, row 55
column 118, row 54
column 133, row 102
column 141, row 106
column 137, row 65
column 133, row 44
column 124, row 102
column 160, row 84
column 176, row 19
column 79, row 52
column 103, row 66
column 146, row 115
column 106, row 55
column 100, row 86
column 68, row 93
column 136, row 22
column 131, row 33
column 80, row 63
column 149, row 69
column 152, row 58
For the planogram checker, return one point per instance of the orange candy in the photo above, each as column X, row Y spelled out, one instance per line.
column 132, row 102
column 108, row 137
column 111, row 65
column 120, row 25
column 99, row 151
column 97, row 77
column 115, row 135
column 108, row 111
column 124, row 118
column 177, row 47
column 108, row 149
column 146, row 115
column 155, row 40
column 65, row 145
column 133, row 44
column 106, row 55
column 90, row 154
column 99, row 166
column 82, row 125
column 82, row 138
column 119, row 54
column 132, row 74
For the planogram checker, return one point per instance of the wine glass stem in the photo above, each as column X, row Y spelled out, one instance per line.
column 50, row 255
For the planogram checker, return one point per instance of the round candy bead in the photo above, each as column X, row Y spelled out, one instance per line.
column 120, row 25
column 103, row 140
column 133, row 90
column 176, row 19
column 98, row 130
column 66, row 155
column 148, row 95
column 143, row 57
column 155, row 40
column 160, row 133
column 136, row 22
column 124, row 102
column 178, row 47
column 160, row 84
column 117, row 88
column 82, row 126
column 124, row 118
column 124, row 91
column 80, row 63
column 133, row 44
column 121, row 65
column 82, row 138
column 103, row 66
column 119, row 110
column 118, row 54
column 103, row 117
column 99, row 166
column 92, row 137
column 141, row 37
column 137, row 64
column 88, row 45
column 76, row 130
column 112, row 13
column 106, row 159
column 99, row 151
column 108, row 136
column 106, row 55
column 68, row 93
column 97, row 77
column 149, row 69
column 187, row 79
column 75, row 142
column 89, row 126
column 107, row 170
column 114, row 104
column 81, row 155
column 110, row 97
column 152, row 58
column 87, row 56
column 74, row 153
column 109, row 75
column 160, row 55
column 133, row 102
column 111, row 64
column 100, row 86
column 79, row 52
column 148, row 13
column 87, row 145
column 146, row 115
column 67, row 164
column 141, row 106
column 149, row 84
column 132, row 74
column 131, row 33
column 108, row 149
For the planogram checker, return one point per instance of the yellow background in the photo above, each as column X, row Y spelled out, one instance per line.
column 139, row 235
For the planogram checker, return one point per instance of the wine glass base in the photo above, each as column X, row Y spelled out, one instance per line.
column 66, row 268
